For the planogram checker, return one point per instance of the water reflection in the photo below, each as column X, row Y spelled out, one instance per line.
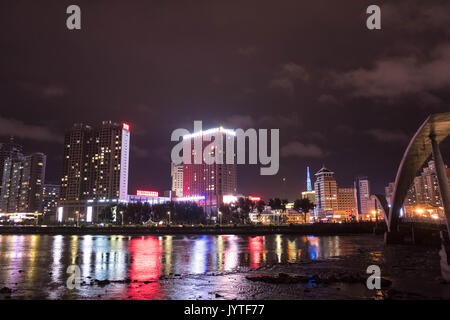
column 40, row 262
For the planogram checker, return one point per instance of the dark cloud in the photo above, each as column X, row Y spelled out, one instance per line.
column 19, row 129
column 301, row 150
column 45, row 91
column 286, row 77
column 399, row 76
column 417, row 16
column 384, row 135
column 328, row 99
column 247, row 51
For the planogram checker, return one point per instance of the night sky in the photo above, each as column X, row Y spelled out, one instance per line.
column 341, row 95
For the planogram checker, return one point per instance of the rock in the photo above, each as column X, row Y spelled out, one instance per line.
column 102, row 282
column 5, row 290
column 385, row 282
column 281, row 278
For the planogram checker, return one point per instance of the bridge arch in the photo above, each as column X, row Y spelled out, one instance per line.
column 425, row 142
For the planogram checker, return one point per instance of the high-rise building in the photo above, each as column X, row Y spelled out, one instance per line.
column 95, row 166
column 347, row 207
column 176, row 172
column 325, row 189
column 425, row 189
column 427, row 186
column 8, row 149
column 23, row 179
column 362, row 187
column 76, row 163
column 209, row 181
column 50, row 198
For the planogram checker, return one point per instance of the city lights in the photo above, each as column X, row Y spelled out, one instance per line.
column 229, row 199
column 147, row 193
column 193, row 198
column 208, row 132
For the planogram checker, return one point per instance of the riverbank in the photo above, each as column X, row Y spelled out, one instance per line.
column 304, row 229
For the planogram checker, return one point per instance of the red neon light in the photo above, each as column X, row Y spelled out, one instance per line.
column 147, row 193
column 254, row 198
column 126, row 126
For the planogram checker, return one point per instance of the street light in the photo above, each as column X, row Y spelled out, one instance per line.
column 220, row 217
column 121, row 214
column 168, row 213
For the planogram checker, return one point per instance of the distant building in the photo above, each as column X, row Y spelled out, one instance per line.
column 23, row 179
column 310, row 195
column 8, row 150
column 176, row 172
column 389, row 192
column 427, row 187
column 95, row 167
column 50, row 198
column 325, row 189
column 362, row 187
column 347, row 207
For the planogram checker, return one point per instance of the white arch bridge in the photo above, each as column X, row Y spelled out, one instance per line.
column 424, row 143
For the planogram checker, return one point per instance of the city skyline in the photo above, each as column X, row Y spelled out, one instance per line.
column 169, row 176
column 167, row 76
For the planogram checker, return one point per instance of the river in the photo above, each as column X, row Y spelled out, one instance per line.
column 170, row 267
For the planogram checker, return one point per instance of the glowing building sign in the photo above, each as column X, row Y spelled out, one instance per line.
column 252, row 198
column 147, row 193
column 229, row 199
column 126, row 126
column 193, row 198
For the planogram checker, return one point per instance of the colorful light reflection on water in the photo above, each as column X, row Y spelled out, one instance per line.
column 28, row 262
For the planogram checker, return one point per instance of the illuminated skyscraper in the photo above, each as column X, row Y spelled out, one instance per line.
column 23, row 179
column 95, row 165
column 176, row 172
column 50, row 198
column 347, row 208
column 8, row 150
column 362, row 187
column 325, row 189
column 211, row 181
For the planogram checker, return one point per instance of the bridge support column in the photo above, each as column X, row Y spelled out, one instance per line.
column 442, row 179
column 444, row 190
